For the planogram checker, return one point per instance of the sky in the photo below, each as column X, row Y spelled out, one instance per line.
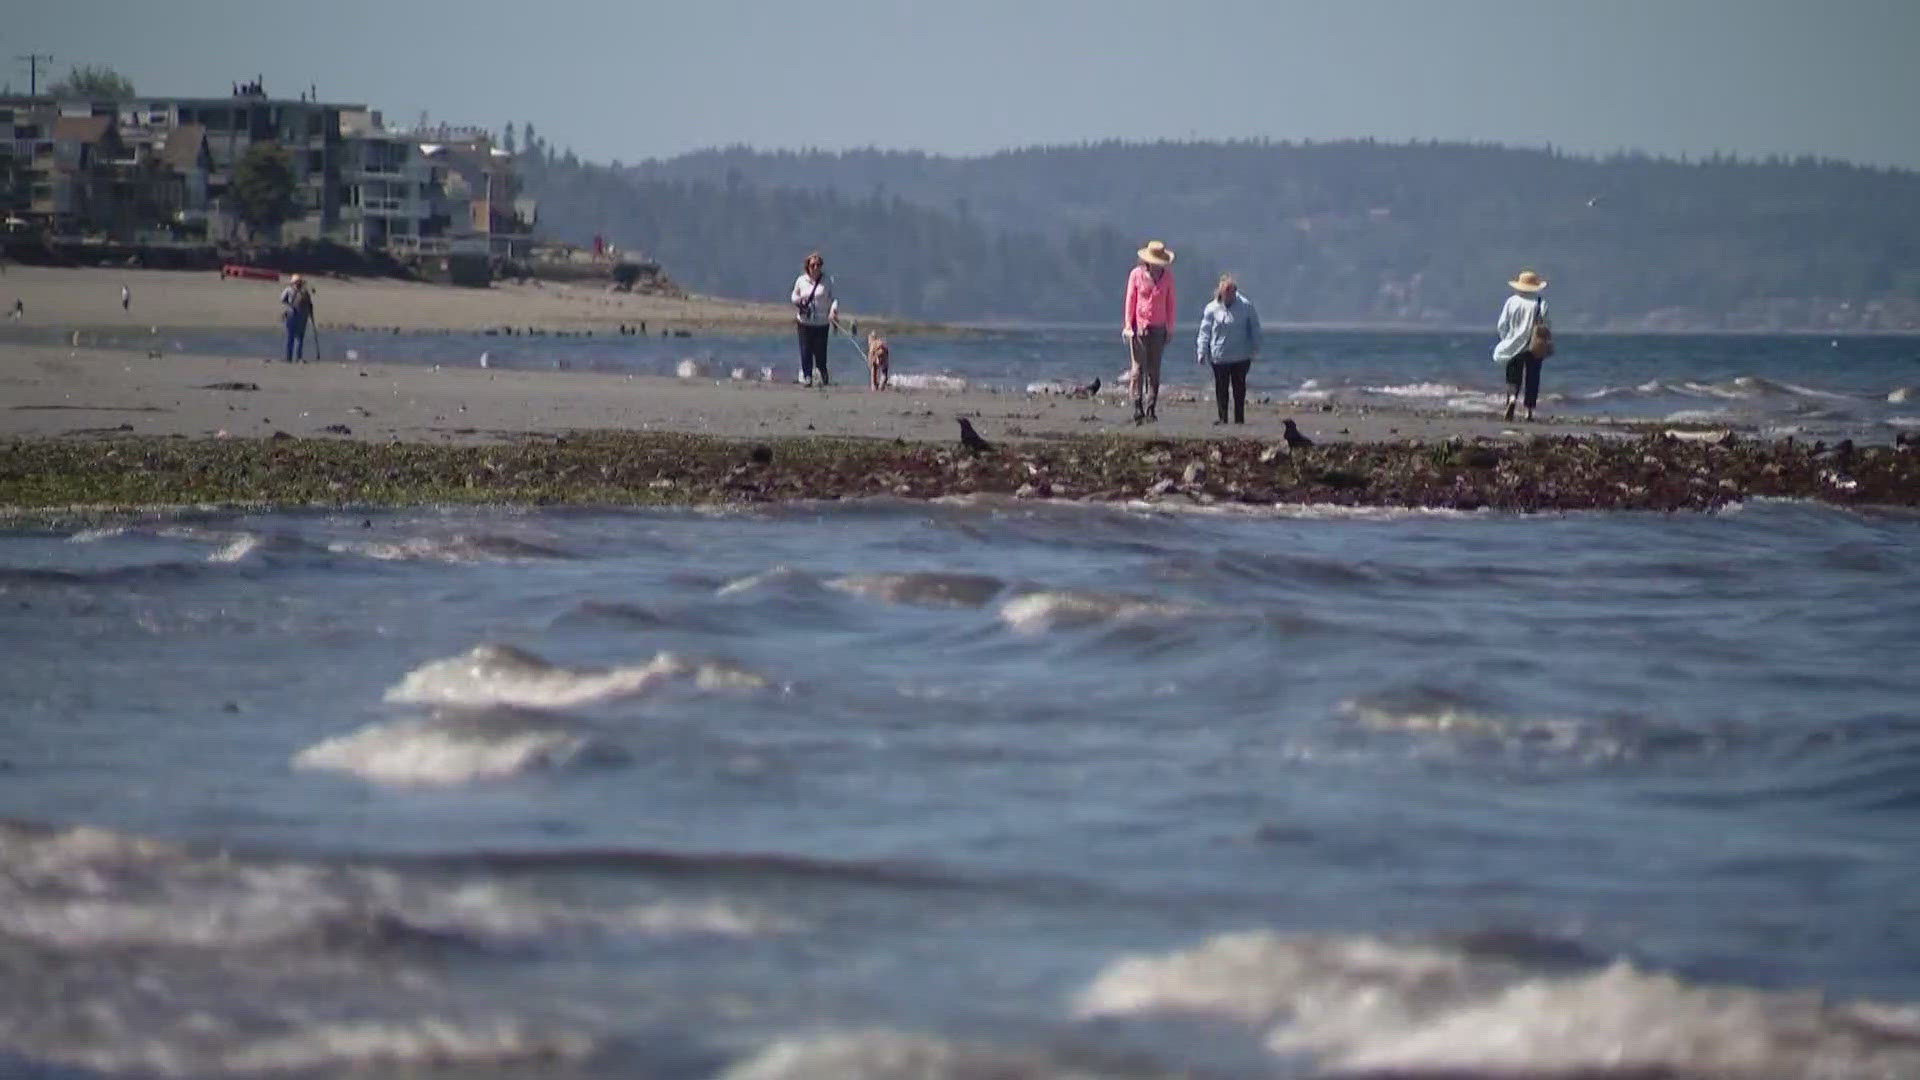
column 635, row 79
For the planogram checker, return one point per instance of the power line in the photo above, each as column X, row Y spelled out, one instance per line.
column 32, row 61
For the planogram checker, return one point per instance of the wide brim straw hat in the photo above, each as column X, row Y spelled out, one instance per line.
column 1156, row 252
column 1528, row 281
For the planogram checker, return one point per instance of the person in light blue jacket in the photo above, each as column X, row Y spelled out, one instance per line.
column 1230, row 341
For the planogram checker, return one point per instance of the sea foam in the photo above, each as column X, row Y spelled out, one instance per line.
column 1359, row 1003
column 499, row 675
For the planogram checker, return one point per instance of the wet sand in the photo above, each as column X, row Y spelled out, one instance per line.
column 52, row 392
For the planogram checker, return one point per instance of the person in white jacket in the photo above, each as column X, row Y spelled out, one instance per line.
column 816, row 311
column 1230, row 341
column 1525, row 309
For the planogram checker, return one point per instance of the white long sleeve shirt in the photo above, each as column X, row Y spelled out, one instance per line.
column 1229, row 332
column 822, row 306
column 1516, row 325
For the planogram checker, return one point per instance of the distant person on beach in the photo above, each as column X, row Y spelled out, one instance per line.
column 879, row 361
column 296, row 309
column 126, row 298
column 1230, row 341
column 19, row 310
column 1149, row 319
column 816, row 311
column 1521, row 349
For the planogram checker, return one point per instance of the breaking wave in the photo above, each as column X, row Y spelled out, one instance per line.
column 930, row 589
column 453, row 749
column 499, row 675
column 1370, row 1005
column 1040, row 612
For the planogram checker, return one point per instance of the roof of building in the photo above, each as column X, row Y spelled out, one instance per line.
column 81, row 129
column 183, row 146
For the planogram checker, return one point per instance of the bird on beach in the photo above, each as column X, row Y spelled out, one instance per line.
column 970, row 439
column 1295, row 440
column 1088, row 390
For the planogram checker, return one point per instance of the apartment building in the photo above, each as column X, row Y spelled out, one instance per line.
column 162, row 168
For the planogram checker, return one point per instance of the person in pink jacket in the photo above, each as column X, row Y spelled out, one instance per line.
column 1149, row 320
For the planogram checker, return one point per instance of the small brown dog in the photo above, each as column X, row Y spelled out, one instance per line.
column 877, row 353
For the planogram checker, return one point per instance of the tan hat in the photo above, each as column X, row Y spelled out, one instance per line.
column 296, row 279
column 1528, row 281
column 1156, row 253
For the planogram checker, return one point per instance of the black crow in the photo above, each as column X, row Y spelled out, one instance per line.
column 970, row 438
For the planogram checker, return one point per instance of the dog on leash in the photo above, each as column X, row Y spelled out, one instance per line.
column 878, row 375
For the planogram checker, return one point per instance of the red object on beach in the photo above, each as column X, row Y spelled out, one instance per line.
column 256, row 273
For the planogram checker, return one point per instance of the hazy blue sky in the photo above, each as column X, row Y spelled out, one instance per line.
column 632, row 79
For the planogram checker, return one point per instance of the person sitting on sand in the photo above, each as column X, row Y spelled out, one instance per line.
column 296, row 310
column 815, row 310
column 1230, row 341
column 1525, row 310
column 878, row 355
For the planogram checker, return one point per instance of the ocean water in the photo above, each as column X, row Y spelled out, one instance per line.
column 960, row 790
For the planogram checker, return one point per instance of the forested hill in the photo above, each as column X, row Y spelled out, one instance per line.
column 1357, row 232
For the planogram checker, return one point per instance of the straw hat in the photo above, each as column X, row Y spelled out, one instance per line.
column 295, row 280
column 1155, row 252
column 1528, row 281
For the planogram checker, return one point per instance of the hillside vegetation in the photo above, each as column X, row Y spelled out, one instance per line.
column 1352, row 232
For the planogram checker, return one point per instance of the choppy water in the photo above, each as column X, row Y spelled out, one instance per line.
column 1774, row 385
column 962, row 790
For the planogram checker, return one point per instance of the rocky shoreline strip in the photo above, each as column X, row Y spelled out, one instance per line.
column 1547, row 473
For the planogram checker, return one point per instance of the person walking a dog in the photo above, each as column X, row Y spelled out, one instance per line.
column 816, row 313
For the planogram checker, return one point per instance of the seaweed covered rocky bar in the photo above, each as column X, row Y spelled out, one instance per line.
column 1655, row 472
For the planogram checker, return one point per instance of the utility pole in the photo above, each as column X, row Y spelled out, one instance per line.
column 32, row 61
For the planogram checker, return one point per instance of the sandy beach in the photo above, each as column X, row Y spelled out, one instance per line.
column 53, row 392
column 243, row 429
column 83, row 299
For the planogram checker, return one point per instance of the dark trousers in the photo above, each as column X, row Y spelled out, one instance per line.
column 296, row 337
column 813, row 351
column 1524, row 368
column 1230, row 380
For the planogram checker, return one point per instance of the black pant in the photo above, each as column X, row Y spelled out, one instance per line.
column 1527, row 366
column 1231, row 380
column 813, row 351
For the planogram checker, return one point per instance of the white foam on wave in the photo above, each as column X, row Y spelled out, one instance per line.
column 490, row 675
column 94, row 536
column 431, row 1042
column 934, row 589
column 879, row 1054
column 449, row 549
column 1039, row 612
column 426, row 753
column 923, row 381
column 1420, row 390
column 1360, row 1003
column 1900, row 395
column 1904, row 421
column 1540, row 734
column 237, row 549
column 781, row 575
column 1696, row 416
column 83, row 890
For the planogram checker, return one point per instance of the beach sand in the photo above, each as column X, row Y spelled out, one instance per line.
column 86, row 426
column 52, row 392
column 82, row 299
